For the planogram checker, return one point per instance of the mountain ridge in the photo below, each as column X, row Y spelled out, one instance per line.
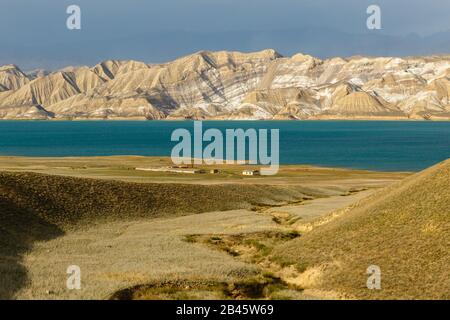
column 226, row 85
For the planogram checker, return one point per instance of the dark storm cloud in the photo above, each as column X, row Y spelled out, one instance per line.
column 34, row 32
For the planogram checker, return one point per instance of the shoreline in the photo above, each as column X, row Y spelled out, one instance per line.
column 167, row 161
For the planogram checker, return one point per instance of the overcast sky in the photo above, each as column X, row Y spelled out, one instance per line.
column 34, row 32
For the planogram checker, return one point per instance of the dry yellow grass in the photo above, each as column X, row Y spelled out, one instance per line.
column 127, row 233
column 36, row 207
column 118, row 255
column 122, row 168
column 404, row 229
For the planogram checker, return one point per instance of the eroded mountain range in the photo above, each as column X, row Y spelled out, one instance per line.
column 234, row 85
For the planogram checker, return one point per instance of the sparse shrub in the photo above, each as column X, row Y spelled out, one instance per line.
column 301, row 266
column 282, row 261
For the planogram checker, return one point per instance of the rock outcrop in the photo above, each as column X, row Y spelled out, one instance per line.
column 234, row 85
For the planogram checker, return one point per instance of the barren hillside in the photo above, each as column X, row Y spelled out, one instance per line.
column 234, row 85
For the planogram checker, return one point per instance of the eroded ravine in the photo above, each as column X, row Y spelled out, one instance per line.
column 275, row 279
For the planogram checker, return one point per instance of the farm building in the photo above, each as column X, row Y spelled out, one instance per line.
column 250, row 172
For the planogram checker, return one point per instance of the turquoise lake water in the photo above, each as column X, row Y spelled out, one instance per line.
column 375, row 145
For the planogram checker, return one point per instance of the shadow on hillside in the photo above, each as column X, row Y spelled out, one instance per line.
column 38, row 207
column 19, row 229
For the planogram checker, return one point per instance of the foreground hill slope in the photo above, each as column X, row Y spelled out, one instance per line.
column 37, row 207
column 234, row 85
column 70, row 203
column 404, row 229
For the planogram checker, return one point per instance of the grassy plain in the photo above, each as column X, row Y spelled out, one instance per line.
column 139, row 234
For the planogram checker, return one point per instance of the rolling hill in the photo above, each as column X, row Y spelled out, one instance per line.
column 404, row 229
column 38, row 207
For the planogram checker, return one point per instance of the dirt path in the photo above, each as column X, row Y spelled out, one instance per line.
column 312, row 209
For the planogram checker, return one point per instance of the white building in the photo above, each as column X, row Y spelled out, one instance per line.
column 250, row 172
